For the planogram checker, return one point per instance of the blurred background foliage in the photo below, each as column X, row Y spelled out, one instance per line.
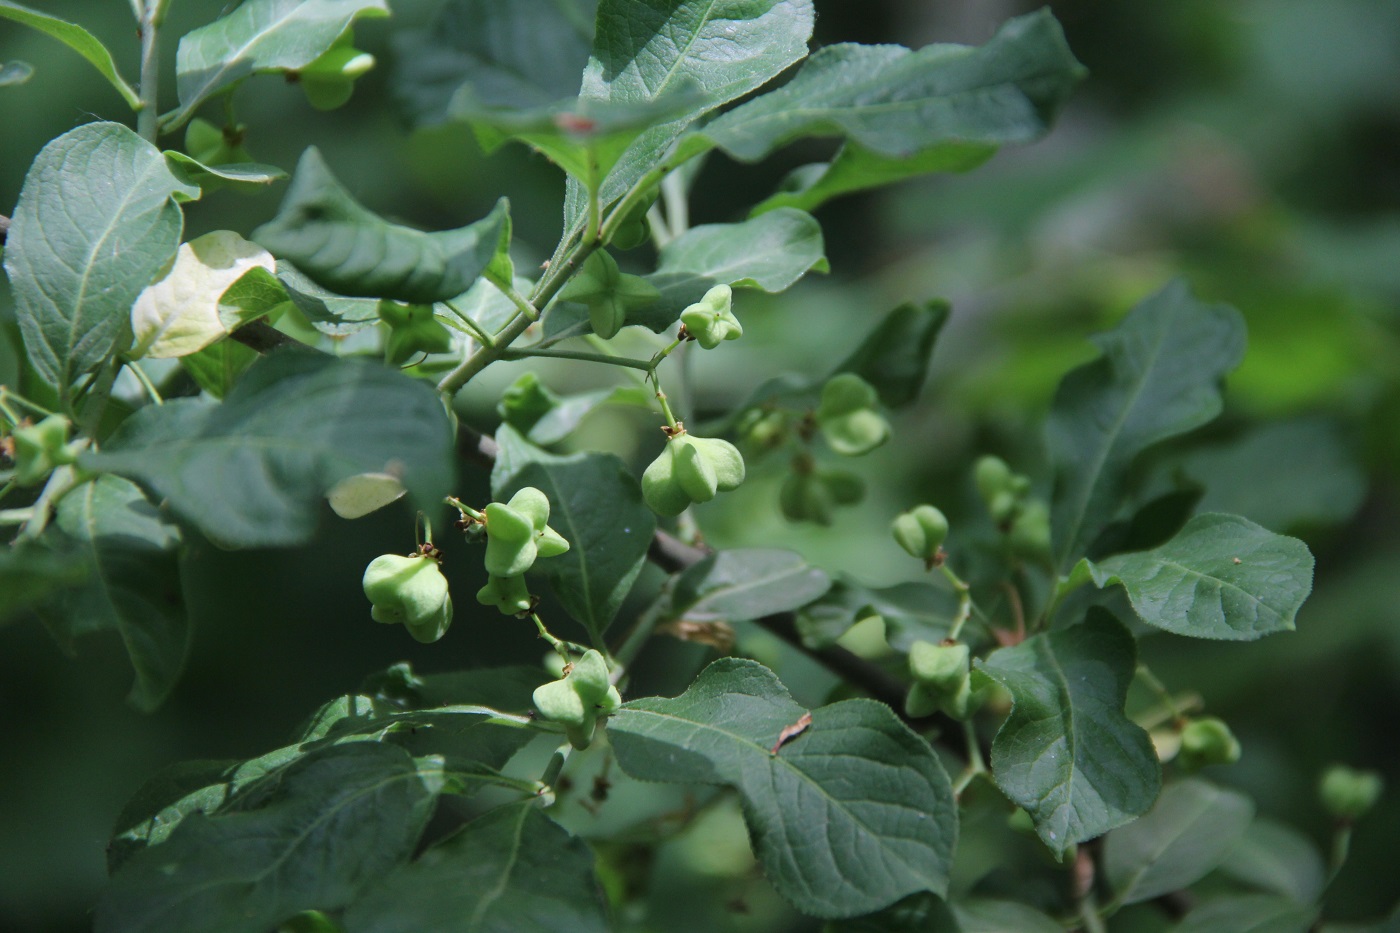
column 1251, row 146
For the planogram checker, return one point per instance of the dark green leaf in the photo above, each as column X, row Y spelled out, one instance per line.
column 134, row 588
column 565, row 417
column 76, row 38
column 770, row 253
column 336, row 315
column 894, row 357
column 513, row 869
column 481, row 56
column 96, row 221
column 217, row 367
column 1277, row 859
column 596, row 504
column 1159, row 376
column 1189, row 831
column 250, row 472
column 259, row 36
column 345, row 247
column 847, row 815
column 1249, row 913
column 746, row 583
column 1220, row 577
column 30, row 573
column 333, row 824
column 856, row 168
column 898, row 104
column 1067, row 754
column 987, row 916
column 911, row 612
column 918, row 913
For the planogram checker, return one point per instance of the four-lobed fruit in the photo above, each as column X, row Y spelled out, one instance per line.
column 525, row 401
column 608, row 292
column 330, row 79
column 584, row 694
column 1347, row 794
column 412, row 329
column 517, row 533
column 942, row 681
column 812, row 495
column 711, row 320
column 848, row 418
column 510, row 595
column 691, row 469
column 921, row 531
column 40, row 448
column 1207, row 740
column 409, row 590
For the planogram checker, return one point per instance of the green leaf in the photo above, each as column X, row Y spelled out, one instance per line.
column 15, row 72
column 596, row 504
column 134, row 588
column 988, row 916
column 246, row 176
column 918, row 913
column 1278, row 859
column 1191, row 829
column 259, row 36
column 179, row 314
column 1067, row 754
column 899, row 104
column 1249, row 913
column 336, row 315
column 217, row 368
column 565, row 417
column 30, row 574
column 97, row 220
column 894, row 357
column 79, row 40
column 847, row 816
column 746, row 583
column 482, row 56
column 769, row 253
column 1160, row 376
column 511, row 869
column 252, row 471
column 1222, row 576
column 343, row 246
column 911, row 612
column 856, row 168
column 330, row 826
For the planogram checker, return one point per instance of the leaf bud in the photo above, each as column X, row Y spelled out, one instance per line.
column 691, row 469
column 1348, row 794
column 409, row 590
column 711, row 320
column 848, row 418
column 1207, row 741
column 921, row 531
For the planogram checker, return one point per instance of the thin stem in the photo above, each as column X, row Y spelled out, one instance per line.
column 462, row 507
column 677, row 204
column 964, row 601
column 975, row 763
column 665, row 407
column 61, row 482
column 1159, row 688
column 8, row 395
column 1341, row 849
column 529, row 352
column 521, row 303
column 660, row 229
column 16, row 516
column 96, row 402
column 148, row 117
column 146, row 383
column 470, row 325
column 559, row 646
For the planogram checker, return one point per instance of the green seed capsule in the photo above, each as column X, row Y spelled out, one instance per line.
column 943, row 669
column 516, row 533
column 710, row 320
column 1207, row 741
column 847, row 416
column 1348, row 794
column 921, row 531
column 40, row 448
column 992, row 476
column 409, row 590
column 691, row 469
column 412, row 329
column 508, row 594
column 608, row 292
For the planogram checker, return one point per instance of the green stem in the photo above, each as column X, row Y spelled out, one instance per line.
column 528, row 353
column 521, row 303
column 559, row 646
column 146, row 382
column 96, row 402
column 62, row 481
column 1159, row 688
column 1341, row 849
column 16, row 516
column 1089, row 914
column 470, row 325
column 677, row 205
column 462, row 507
column 8, row 395
column 665, row 407
column 964, row 601
column 148, row 117
column 976, row 764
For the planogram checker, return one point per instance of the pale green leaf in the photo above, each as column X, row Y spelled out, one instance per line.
column 259, row 36
column 1191, row 829
column 1221, row 576
column 134, row 588
column 332, row 824
column 97, row 220
column 76, row 38
column 596, row 504
column 247, row 176
column 848, row 811
column 359, row 495
column 179, row 314
column 1160, row 375
column 1067, row 754
column 343, row 246
column 252, row 471
column 1278, row 859
column 511, row 869
column 746, row 583
column 1249, row 913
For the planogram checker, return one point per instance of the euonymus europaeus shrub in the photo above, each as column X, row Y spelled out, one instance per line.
column 324, row 357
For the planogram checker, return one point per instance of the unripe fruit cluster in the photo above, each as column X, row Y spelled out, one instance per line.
column 921, row 532
column 848, row 417
column 691, row 469
column 1347, row 794
column 1026, row 520
column 577, row 701
column 40, row 448
column 517, row 534
column 812, row 495
column 942, row 681
column 409, row 590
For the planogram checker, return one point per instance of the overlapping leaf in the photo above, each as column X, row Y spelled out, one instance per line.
column 746, row 583
column 346, row 247
column 1221, row 576
column 848, row 811
column 894, row 357
column 76, row 38
column 1067, row 753
column 251, row 471
column 97, row 219
column 1160, row 376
